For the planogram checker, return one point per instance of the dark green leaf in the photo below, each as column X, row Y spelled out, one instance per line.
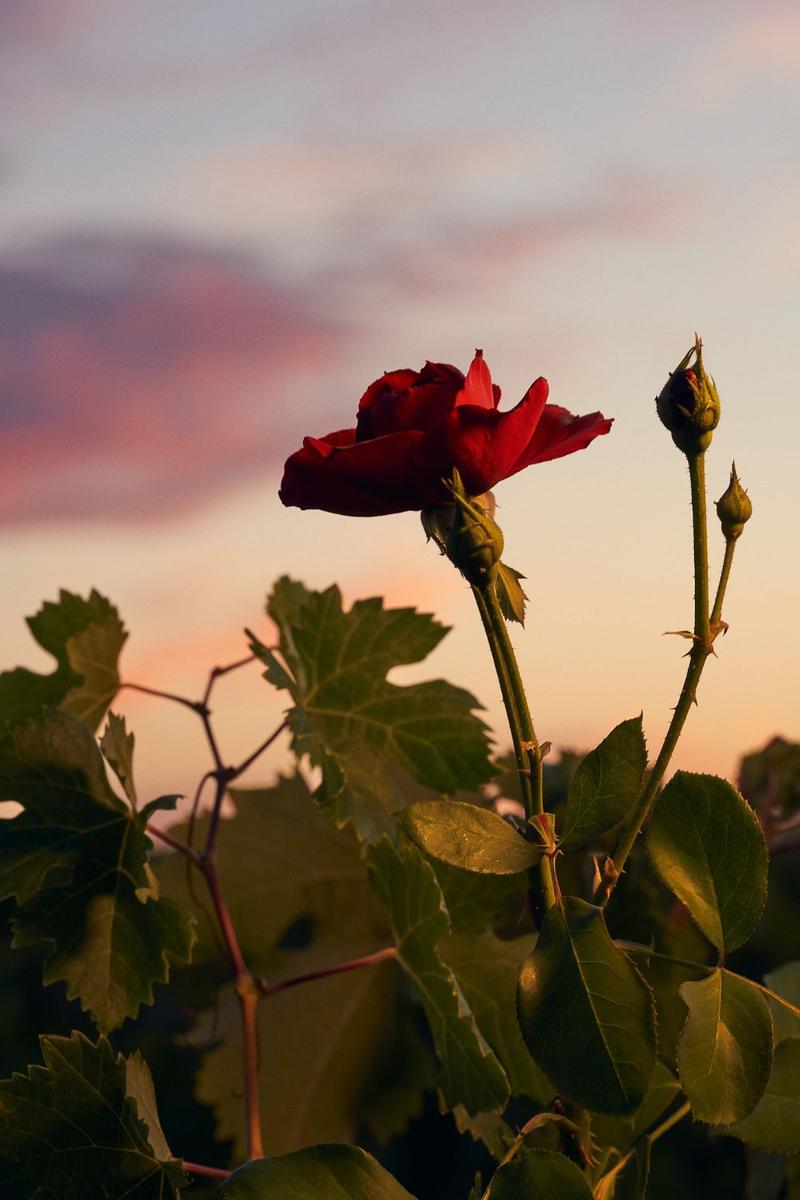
column 725, row 1051
column 510, row 593
column 540, row 1175
column 300, row 900
column 774, row 1124
column 356, row 725
column 328, row 1172
column 468, row 837
column 586, row 1014
column 85, row 637
column 487, row 1127
column 706, row 844
column 85, row 1127
column 785, row 982
column 622, row 1132
column 117, row 745
column 407, row 885
column 76, row 859
column 605, row 785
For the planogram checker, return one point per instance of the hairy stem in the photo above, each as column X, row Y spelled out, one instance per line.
column 353, row 964
column 701, row 649
column 527, row 750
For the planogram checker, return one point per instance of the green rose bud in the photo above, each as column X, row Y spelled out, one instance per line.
column 473, row 541
column 689, row 403
column 734, row 507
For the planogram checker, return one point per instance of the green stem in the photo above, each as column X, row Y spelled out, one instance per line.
column 526, row 744
column 509, row 702
column 727, row 562
column 701, row 648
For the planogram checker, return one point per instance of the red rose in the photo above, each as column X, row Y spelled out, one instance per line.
column 414, row 427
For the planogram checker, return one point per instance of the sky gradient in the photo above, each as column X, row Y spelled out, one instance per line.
column 220, row 222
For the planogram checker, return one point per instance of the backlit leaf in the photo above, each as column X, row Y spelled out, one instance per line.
column 785, row 981
column 76, row 860
column 540, row 1175
column 471, row 838
column 706, row 844
column 725, row 1050
column 85, row 637
column 774, row 1124
column 327, row 1172
column 300, row 900
column 605, row 785
column 586, row 1013
column 406, row 883
column 351, row 721
column 85, row 1127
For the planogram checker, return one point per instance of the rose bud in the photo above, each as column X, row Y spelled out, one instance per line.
column 474, row 541
column 734, row 508
column 689, row 403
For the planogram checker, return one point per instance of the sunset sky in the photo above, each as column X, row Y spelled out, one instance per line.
column 220, row 221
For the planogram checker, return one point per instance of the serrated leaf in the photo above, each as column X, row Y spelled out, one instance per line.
column 774, row 1124
column 85, row 1127
column 327, row 1172
column 622, row 1132
column 300, row 900
column 76, row 860
column 406, row 883
column 85, row 637
column 605, row 785
column 468, row 837
column 725, row 1049
column 116, row 746
column 784, row 981
column 351, row 721
column 540, row 1175
column 586, row 1013
column 489, row 1128
column 707, row 846
column 510, row 593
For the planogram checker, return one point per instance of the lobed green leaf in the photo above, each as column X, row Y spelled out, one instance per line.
column 85, row 1126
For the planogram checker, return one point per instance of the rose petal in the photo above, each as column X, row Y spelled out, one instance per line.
column 559, row 432
column 357, row 479
column 482, row 443
column 477, row 390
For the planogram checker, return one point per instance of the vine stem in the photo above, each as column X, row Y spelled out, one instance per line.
column 527, row 750
column 210, row 1172
column 354, row 964
column 702, row 647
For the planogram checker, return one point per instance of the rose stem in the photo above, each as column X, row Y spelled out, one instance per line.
column 526, row 745
column 702, row 647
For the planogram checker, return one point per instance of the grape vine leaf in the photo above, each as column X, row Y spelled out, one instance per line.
column 85, row 637
column 703, row 840
column 466, row 836
column 586, row 1013
column 76, row 858
column 85, row 1125
column 351, row 721
column 327, row 1172
column 605, row 785
column 540, row 1175
column 774, row 1124
column 116, row 746
column 725, row 1050
column 300, row 900
column 471, row 1074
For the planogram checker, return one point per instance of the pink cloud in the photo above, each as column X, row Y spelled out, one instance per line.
column 141, row 375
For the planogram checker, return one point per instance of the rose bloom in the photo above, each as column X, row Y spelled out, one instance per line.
column 414, row 427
